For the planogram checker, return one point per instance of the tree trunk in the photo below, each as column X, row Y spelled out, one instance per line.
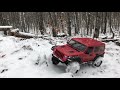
column 53, row 25
column 69, row 23
column 97, row 26
column 41, row 25
column 76, row 22
column 110, row 22
column 105, row 22
column 88, row 23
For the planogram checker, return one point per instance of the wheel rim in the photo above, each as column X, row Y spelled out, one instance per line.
column 97, row 62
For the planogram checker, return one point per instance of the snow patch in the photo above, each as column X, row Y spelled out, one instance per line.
column 31, row 58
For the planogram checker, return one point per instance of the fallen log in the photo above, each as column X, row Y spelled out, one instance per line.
column 17, row 33
column 5, row 29
column 117, row 43
column 108, row 40
column 24, row 35
column 13, row 32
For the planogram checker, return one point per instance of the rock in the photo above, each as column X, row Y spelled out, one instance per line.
column 4, row 70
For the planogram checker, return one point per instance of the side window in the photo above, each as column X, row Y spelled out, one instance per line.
column 96, row 49
column 102, row 49
column 89, row 50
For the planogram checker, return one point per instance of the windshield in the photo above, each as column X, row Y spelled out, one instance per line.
column 77, row 45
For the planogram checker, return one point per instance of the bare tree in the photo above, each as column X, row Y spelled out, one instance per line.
column 69, row 23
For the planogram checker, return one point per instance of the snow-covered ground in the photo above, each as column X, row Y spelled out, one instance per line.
column 31, row 58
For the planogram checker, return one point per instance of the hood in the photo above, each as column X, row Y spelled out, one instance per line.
column 68, row 50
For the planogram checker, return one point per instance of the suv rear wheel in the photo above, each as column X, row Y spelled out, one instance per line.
column 97, row 62
column 73, row 67
column 55, row 61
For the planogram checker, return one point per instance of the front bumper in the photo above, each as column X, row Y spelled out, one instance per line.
column 58, row 58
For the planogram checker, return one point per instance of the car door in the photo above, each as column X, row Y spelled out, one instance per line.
column 89, row 55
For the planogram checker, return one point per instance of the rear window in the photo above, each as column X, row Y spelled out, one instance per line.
column 99, row 49
column 89, row 50
column 96, row 49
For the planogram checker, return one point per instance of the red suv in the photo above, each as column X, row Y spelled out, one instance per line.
column 78, row 51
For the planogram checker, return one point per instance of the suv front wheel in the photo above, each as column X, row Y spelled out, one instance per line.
column 73, row 67
column 55, row 61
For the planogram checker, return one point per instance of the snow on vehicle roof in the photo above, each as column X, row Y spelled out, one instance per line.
column 88, row 41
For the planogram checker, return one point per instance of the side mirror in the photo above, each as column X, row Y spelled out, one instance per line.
column 67, row 42
column 53, row 48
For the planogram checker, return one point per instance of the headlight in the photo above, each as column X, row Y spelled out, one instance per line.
column 72, row 57
column 66, row 56
column 69, row 57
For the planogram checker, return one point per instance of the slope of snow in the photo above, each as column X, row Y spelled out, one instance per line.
column 31, row 58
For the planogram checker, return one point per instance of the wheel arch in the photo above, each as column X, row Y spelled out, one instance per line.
column 76, row 58
column 97, row 55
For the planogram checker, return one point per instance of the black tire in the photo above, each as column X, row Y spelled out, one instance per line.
column 55, row 61
column 97, row 62
column 73, row 67
column 98, row 65
column 102, row 55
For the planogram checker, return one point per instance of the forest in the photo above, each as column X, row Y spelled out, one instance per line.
column 29, row 42
column 70, row 23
